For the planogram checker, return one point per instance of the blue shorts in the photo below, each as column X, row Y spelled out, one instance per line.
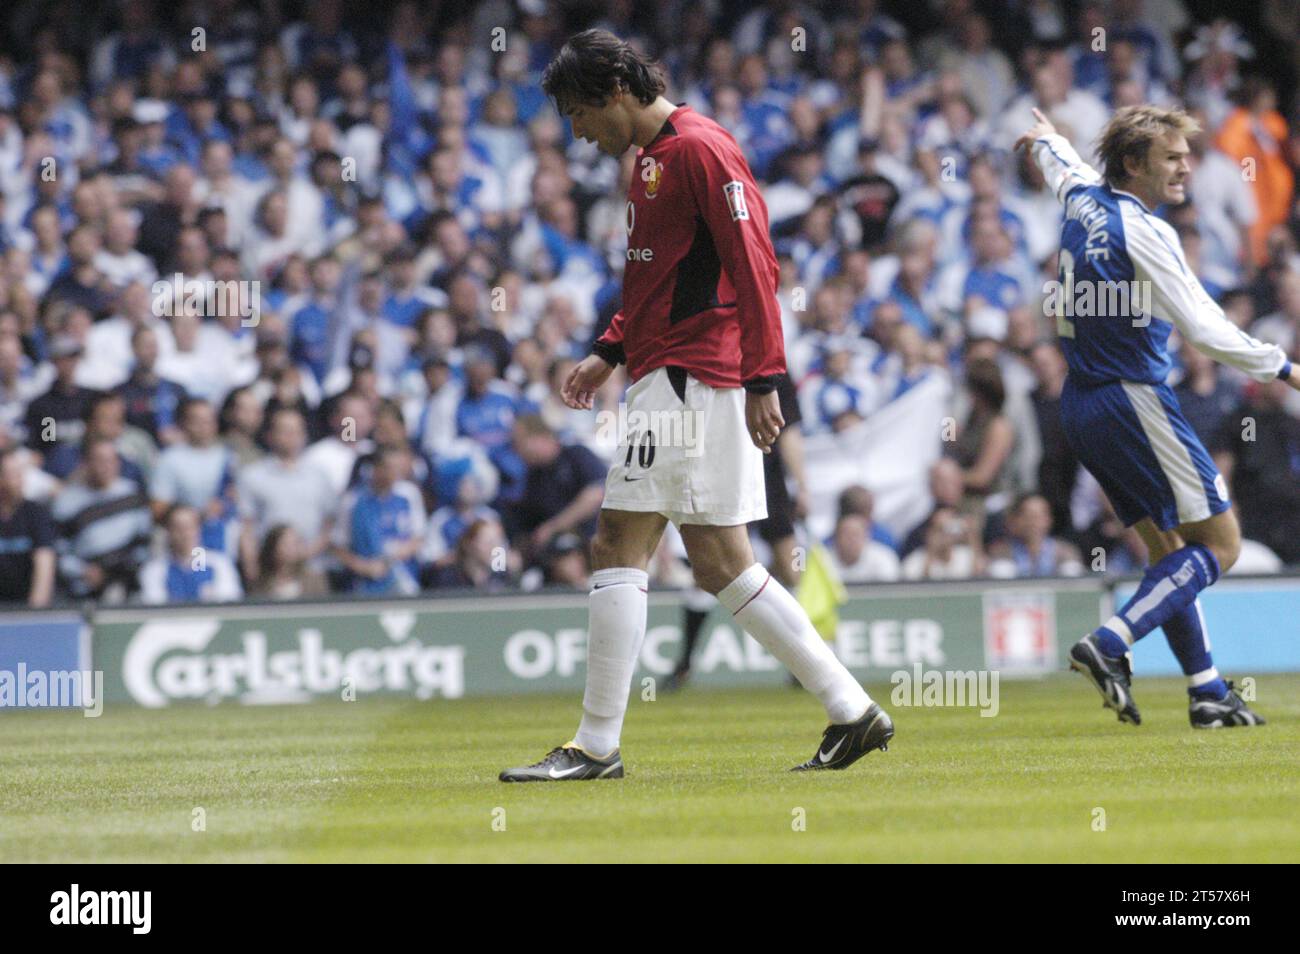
column 1134, row 439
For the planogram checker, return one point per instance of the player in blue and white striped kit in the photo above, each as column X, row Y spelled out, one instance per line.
column 1124, row 286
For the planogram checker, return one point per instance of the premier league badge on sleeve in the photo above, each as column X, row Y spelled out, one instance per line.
column 735, row 193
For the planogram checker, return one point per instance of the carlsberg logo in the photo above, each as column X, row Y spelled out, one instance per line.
column 169, row 660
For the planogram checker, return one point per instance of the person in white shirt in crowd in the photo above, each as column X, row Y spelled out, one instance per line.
column 189, row 365
column 188, row 572
column 856, row 557
column 951, row 551
column 284, row 488
column 108, row 342
column 199, row 472
column 351, row 424
column 273, row 239
column 306, row 222
column 118, row 259
column 221, row 186
column 1053, row 92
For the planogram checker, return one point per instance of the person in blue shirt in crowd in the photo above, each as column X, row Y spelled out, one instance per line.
column 310, row 328
column 382, row 529
column 188, row 572
column 487, row 413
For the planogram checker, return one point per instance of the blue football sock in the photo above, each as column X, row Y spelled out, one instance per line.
column 1110, row 643
column 1167, row 588
column 1185, row 631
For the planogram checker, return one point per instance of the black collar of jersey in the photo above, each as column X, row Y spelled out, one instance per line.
column 667, row 129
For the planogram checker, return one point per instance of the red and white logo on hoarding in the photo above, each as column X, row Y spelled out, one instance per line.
column 1020, row 632
column 735, row 193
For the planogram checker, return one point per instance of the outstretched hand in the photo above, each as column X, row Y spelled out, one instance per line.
column 1042, row 127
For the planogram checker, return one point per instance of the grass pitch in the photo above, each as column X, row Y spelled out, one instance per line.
column 707, row 781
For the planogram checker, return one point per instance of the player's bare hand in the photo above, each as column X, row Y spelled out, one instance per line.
column 763, row 419
column 580, row 387
column 1042, row 127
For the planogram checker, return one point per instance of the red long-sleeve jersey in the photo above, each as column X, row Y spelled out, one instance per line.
column 699, row 289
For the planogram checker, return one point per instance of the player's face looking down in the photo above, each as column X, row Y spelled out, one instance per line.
column 608, row 125
column 1162, row 178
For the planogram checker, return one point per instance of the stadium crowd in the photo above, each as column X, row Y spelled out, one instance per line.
column 287, row 292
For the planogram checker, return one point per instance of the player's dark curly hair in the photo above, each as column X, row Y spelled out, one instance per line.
column 593, row 64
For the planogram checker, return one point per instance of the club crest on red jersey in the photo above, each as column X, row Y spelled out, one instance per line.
column 651, row 174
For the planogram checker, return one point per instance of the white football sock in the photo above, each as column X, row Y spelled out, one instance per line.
column 773, row 617
column 615, row 629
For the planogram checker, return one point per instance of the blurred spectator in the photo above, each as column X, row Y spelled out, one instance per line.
column 390, row 434
column 564, row 487
column 81, row 283
column 487, row 413
column 351, row 422
column 1282, row 327
column 434, row 416
column 1225, row 209
column 311, row 325
column 483, row 561
column 449, row 522
column 241, row 424
column 861, row 502
column 564, row 563
column 19, row 384
column 199, row 472
column 1258, row 451
column 151, row 400
column 1058, row 468
column 946, row 492
column 285, row 572
column 27, row 538
column 104, row 527
column 381, row 528
column 1205, row 393
column 284, row 488
column 188, row 572
column 984, row 443
column 110, row 355
column 58, row 416
column 1254, row 133
column 856, row 557
column 951, row 550
column 1110, row 547
column 1028, row 549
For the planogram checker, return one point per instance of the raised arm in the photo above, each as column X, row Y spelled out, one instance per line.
column 1056, row 158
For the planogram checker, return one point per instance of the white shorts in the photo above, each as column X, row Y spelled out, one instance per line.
column 690, row 460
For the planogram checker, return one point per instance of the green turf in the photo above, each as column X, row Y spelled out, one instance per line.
column 408, row 781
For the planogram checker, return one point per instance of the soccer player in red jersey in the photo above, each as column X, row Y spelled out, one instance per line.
column 700, row 332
